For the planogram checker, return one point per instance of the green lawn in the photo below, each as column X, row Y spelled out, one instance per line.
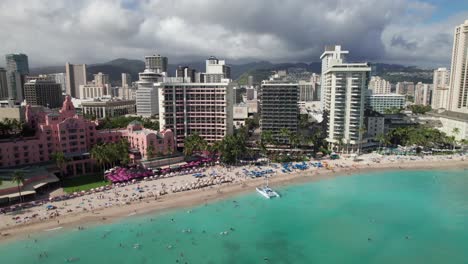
column 83, row 183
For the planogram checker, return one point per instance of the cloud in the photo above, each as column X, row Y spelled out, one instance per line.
column 90, row 31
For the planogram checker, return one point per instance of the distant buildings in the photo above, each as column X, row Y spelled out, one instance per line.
column 3, row 84
column 382, row 102
column 441, row 85
column 60, row 78
column 102, row 108
column 279, row 108
column 156, row 63
column 240, row 114
column 44, row 91
column 127, row 91
column 216, row 70
column 309, row 90
column 147, row 100
column 458, row 93
column 379, row 85
column 343, row 93
column 422, row 94
column 76, row 76
column 405, row 88
column 186, row 72
column 17, row 67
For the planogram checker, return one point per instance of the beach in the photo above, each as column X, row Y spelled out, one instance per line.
column 103, row 207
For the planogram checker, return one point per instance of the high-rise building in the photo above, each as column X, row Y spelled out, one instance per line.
column 126, row 86
column 306, row 91
column 17, row 67
column 458, row 93
column 186, row 72
column 147, row 100
column 156, row 63
column 3, row 84
column 440, row 92
column 101, row 79
column 379, row 85
column 61, row 79
column 43, row 91
column 422, row 94
column 279, row 108
column 76, row 76
column 91, row 90
column 216, row 70
column 343, row 94
column 204, row 108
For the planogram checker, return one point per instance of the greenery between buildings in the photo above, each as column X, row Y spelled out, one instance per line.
column 123, row 121
column 14, row 128
column 111, row 154
column 84, row 183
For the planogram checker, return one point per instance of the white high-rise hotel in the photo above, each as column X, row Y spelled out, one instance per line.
column 458, row 93
column 441, row 84
column 344, row 92
column 379, row 85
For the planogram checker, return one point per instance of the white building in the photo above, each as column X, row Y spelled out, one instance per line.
column 203, row 108
column 458, row 93
column 101, row 79
column 126, row 92
column 382, row 102
column 107, row 107
column 441, row 85
column 147, row 100
column 240, row 114
column 379, row 85
column 91, row 90
column 451, row 122
column 344, row 92
column 215, row 66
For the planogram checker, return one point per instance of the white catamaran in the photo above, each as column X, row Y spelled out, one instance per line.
column 266, row 191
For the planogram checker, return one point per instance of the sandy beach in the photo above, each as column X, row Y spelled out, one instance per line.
column 105, row 207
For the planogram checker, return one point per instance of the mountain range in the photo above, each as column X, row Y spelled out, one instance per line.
column 260, row 70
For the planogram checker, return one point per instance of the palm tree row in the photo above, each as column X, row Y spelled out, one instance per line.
column 111, row 154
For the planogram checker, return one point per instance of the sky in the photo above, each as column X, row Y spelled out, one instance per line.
column 53, row 32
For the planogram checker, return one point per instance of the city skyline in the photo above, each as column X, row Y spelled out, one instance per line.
column 405, row 32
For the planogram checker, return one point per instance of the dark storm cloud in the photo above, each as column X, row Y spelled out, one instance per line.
column 93, row 31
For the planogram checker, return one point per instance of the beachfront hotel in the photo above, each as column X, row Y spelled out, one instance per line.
column 204, row 108
column 344, row 93
column 65, row 131
column 458, row 92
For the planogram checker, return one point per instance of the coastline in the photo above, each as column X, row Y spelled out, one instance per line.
column 197, row 197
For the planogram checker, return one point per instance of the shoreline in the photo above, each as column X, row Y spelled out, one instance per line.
column 192, row 198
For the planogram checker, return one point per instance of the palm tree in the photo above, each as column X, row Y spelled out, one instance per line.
column 97, row 154
column 60, row 161
column 285, row 133
column 18, row 178
column 381, row 139
column 149, row 152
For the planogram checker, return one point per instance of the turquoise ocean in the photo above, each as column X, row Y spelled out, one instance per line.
column 379, row 217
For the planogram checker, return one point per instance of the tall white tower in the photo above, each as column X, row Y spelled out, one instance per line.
column 458, row 93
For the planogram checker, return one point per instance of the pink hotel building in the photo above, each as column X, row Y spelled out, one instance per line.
column 74, row 135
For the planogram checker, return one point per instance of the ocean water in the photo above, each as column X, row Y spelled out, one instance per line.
column 384, row 217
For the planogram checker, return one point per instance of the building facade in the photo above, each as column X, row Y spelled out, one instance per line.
column 458, row 93
column 3, row 84
column 76, row 76
column 101, row 79
column 102, row 108
column 43, row 91
column 60, row 78
column 405, row 88
column 279, row 108
column 186, row 72
column 204, row 108
column 379, row 85
column 441, row 85
column 17, row 67
column 381, row 102
column 344, row 97
column 92, row 90
column 216, row 67
column 422, row 94
column 156, row 63
column 67, row 132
